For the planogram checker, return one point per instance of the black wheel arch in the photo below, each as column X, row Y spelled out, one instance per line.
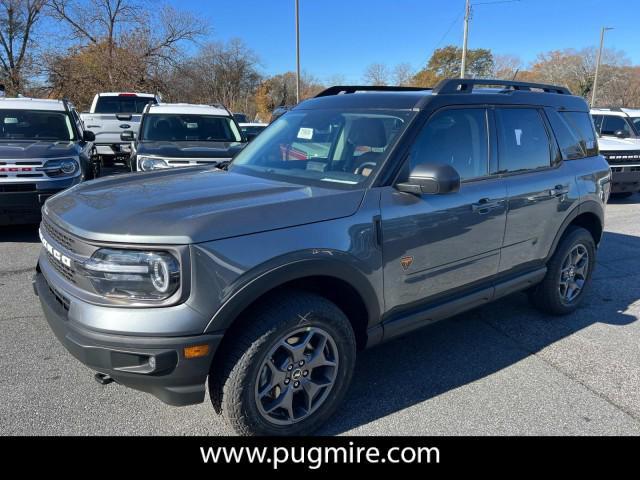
column 588, row 215
column 305, row 273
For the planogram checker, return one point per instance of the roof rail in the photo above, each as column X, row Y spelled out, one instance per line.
column 341, row 89
column 466, row 85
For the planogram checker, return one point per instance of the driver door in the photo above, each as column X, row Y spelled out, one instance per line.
column 438, row 244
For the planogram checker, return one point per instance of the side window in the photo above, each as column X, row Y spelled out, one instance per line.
column 582, row 126
column 456, row 137
column 568, row 138
column 611, row 124
column 523, row 142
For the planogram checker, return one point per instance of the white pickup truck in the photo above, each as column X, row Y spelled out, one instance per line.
column 111, row 114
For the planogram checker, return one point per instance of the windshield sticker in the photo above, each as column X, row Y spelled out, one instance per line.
column 9, row 120
column 192, row 125
column 305, row 133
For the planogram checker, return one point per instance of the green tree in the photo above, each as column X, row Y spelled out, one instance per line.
column 447, row 61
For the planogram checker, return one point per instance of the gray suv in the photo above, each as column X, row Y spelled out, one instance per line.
column 360, row 215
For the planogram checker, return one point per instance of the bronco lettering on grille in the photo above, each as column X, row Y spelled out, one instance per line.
column 66, row 261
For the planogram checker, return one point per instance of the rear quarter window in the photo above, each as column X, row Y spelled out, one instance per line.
column 582, row 126
column 569, row 140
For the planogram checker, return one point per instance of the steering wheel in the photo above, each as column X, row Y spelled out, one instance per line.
column 361, row 167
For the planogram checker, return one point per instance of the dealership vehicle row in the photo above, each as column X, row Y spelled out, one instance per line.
column 260, row 268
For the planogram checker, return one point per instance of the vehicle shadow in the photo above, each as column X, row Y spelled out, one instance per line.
column 19, row 233
column 479, row 343
column 632, row 199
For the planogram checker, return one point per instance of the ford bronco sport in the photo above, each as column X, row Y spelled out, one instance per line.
column 619, row 141
column 358, row 216
column 43, row 150
column 183, row 135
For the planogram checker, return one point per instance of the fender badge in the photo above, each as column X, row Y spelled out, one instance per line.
column 406, row 262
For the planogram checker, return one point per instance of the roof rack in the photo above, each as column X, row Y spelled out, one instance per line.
column 466, row 85
column 342, row 89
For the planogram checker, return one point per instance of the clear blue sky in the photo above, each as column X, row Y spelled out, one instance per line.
column 344, row 36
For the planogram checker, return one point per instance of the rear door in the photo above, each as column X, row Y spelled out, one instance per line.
column 434, row 245
column 540, row 187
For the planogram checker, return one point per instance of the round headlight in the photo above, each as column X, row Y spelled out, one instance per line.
column 160, row 275
column 68, row 166
column 150, row 163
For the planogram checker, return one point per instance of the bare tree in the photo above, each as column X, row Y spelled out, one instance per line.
column 18, row 19
column 376, row 74
column 403, row 74
column 506, row 67
column 154, row 34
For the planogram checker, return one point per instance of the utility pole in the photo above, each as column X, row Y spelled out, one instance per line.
column 598, row 61
column 297, row 51
column 467, row 17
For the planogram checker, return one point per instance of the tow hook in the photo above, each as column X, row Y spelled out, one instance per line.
column 103, row 378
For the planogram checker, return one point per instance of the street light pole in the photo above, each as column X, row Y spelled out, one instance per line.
column 297, row 51
column 467, row 15
column 598, row 61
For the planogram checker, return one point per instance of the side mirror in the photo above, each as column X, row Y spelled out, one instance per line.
column 127, row 136
column 621, row 134
column 431, row 179
column 88, row 136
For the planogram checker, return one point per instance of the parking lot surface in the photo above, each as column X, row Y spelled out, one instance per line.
column 500, row 369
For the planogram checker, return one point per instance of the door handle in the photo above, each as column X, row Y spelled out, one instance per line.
column 559, row 190
column 484, row 206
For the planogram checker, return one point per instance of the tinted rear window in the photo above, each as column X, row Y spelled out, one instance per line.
column 582, row 126
column 569, row 140
column 122, row 104
column 523, row 143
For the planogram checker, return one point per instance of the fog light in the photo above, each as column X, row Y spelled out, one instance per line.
column 152, row 362
column 196, row 351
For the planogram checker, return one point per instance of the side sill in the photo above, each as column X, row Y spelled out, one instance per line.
column 434, row 313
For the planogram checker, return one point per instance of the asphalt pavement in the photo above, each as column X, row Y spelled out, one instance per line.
column 501, row 369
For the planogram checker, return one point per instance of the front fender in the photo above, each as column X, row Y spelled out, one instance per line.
column 270, row 275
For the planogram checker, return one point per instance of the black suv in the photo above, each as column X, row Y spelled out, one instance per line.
column 358, row 216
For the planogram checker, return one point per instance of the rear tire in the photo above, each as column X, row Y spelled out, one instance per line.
column 568, row 274
column 287, row 368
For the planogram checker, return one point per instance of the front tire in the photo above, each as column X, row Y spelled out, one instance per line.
column 568, row 274
column 288, row 368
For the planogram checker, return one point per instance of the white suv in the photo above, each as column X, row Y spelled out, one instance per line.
column 619, row 140
column 182, row 135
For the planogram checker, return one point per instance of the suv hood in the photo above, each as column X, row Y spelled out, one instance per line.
column 608, row 144
column 27, row 149
column 189, row 149
column 182, row 206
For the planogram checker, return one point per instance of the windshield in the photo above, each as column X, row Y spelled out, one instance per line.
column 636, row 123
column 35, row 125
column 189, row 128
column 122, row 104
column 324, row 145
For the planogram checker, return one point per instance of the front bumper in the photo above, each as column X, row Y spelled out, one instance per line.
column 20, row 203
column 625, row 178
column 127, row 359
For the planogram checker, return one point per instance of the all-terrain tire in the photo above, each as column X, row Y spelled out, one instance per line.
column 243, row 358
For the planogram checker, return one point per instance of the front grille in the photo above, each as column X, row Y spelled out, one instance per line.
column 622, row 157
column 58, row 235
column 61, row 299
column 62, row 269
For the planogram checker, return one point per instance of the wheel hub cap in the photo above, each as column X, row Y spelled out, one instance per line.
column 574, row 273
column 296, row 376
